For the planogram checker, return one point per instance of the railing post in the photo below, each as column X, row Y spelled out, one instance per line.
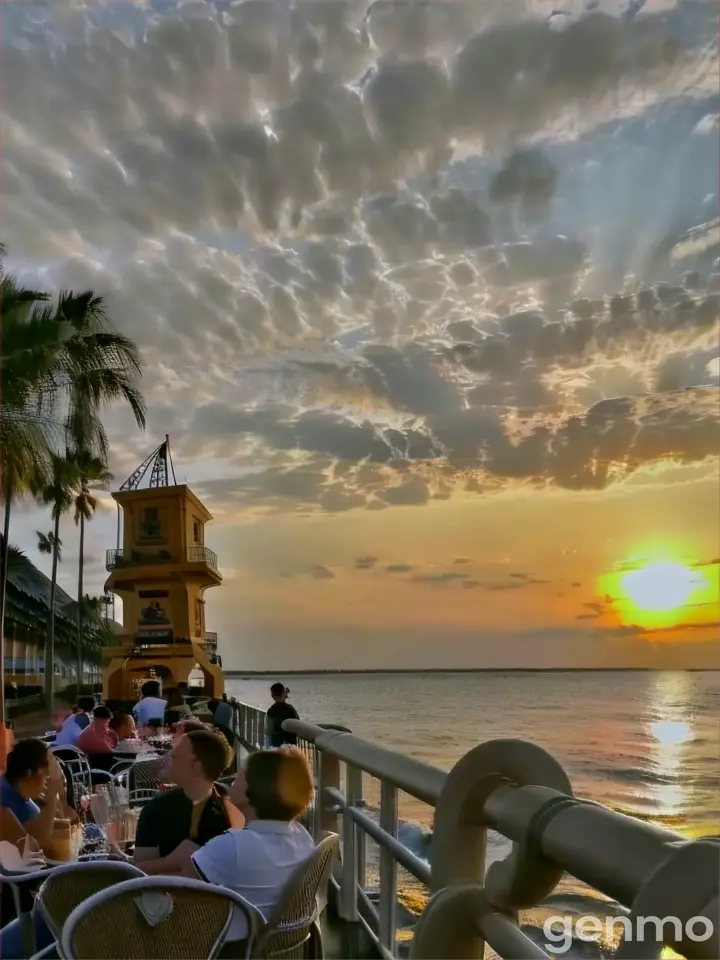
column 388, row 867
column 325, row 821
column 352, row 837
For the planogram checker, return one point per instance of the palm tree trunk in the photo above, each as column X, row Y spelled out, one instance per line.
column 3, row 590
column 50, row 642
column 81, row 564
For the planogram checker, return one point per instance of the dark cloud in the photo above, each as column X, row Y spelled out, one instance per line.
column 462, row 561
column 365, row 563
column 439, row 578
column 322, row 573
column 399, row 568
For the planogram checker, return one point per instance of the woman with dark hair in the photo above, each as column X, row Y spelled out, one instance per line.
column 32, row 773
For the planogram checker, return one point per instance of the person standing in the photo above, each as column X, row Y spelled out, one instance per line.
column 280, row 711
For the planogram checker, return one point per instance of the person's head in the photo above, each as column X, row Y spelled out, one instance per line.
column 183, row 687
column 101, row 716
column 176, row 698
column 279, row 692
column 27, row 768
column 86, row 704
column 274, row 785
column 151, row 688
column 198, row 756
column 123, row 725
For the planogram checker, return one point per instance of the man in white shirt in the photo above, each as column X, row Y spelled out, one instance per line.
column 273, row 791
column 150, row 706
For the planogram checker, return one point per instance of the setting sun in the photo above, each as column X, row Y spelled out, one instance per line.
column 660, row 587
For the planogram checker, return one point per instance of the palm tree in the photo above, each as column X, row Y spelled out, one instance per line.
column 92, row 470
column 59, row 366
column 58, row 494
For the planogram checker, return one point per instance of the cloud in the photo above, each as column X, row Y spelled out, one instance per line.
column 399, row 568
column 439, row 578
column 365, row 563
column 354, row 283
column 462, row 561
column 322, row 573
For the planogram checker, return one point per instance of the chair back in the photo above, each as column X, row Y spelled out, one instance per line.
column 155, row 918
column 147, row 774
column 71, row 884
column 291, row 922
column 76, row 763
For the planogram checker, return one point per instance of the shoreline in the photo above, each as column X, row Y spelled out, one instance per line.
column 250, row 674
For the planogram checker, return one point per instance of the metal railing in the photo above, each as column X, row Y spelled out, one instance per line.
column 115, row 559
column 198, row 554
column 519, row 790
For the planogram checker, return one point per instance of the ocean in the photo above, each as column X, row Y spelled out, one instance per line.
column 643, row 743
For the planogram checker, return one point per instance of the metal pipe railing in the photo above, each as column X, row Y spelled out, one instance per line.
column 519, row 790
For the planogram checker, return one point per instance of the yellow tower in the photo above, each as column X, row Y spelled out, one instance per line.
column 161, row 570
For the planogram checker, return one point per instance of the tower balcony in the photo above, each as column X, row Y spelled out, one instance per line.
column 122, row 559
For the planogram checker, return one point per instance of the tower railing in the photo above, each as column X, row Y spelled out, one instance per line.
column 116, row 559
column 667, row 887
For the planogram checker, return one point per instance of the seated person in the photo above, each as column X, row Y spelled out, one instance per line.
column 273, row 790
column 191, row 814
column 73, row 726
column 33, row 774
column 98, row 737
column 150, row 706
column 123, row 726
column 177, row 704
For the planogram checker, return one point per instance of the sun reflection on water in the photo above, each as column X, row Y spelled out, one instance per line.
column 671, row 732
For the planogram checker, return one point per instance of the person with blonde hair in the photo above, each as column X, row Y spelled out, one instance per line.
column 272, row 791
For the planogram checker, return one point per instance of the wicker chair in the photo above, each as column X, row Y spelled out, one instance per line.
column 147, row 774
column 292, row 930
column 69, row 885
column 155, row 918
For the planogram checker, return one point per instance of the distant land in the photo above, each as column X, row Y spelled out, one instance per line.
column 249, row 674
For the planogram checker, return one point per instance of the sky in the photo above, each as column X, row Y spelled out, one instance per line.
column 393, row 289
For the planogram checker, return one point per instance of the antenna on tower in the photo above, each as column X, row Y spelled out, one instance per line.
column 158, row 467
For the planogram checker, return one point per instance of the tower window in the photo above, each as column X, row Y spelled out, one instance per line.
column 151, row 527
column 196, row 532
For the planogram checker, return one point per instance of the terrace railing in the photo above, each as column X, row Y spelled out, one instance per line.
column 519, row 790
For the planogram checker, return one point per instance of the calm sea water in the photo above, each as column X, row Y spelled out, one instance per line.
column 647, row 744
column 643, row 743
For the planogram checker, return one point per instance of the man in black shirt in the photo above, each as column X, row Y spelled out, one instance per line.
column 185, row 818
column 279, row 711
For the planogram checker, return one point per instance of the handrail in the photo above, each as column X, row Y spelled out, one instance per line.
column 519, row 790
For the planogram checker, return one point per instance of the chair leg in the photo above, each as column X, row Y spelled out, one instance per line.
column 315, row 948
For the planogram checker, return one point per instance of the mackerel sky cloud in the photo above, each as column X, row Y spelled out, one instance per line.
column 387, row 263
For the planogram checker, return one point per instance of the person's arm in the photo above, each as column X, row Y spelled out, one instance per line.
column 216, row 862
column 178, row 863
column 11, row 830
column 146, row 849
column 41, row 826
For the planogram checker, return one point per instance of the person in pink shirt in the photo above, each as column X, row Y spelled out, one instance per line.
column 98, row 737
